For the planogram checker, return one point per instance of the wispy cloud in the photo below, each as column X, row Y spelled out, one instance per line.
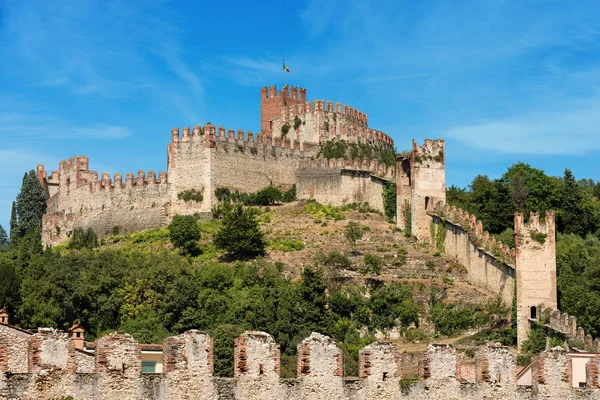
column 571, row 130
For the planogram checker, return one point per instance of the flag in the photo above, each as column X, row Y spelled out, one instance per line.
column 285, row 68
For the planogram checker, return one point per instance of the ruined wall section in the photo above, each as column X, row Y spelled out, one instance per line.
column 86, row 200
column 535, row 267
column 321, row 121
column 119, row 367
column 489, row 263
column 445, row 372
column 567, row 325
column 189, row 365
column 14, row 345
column 340, row 182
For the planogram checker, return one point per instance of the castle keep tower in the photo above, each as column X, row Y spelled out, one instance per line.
column 535, row 244
column 271, row 103
column 421, row 183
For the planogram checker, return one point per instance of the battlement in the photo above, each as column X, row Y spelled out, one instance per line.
column 567, row 325
column 431, row 152
column 474, row 227
column 211, row 136
column 55, row 368
column 373, row 167
column 286, row 92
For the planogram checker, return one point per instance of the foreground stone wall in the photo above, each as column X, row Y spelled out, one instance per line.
column 340, row 182
column 444, row 372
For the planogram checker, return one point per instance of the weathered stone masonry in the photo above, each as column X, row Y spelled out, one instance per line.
column 56, row 369
column 203, row 159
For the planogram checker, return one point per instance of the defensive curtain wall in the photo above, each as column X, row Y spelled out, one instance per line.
column 48, row 365
column 340, row 182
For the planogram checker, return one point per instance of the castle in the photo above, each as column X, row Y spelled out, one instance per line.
column 202, row 159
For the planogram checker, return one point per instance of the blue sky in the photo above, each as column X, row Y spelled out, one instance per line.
column 501, row 81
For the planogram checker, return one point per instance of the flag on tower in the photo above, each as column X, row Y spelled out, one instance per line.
column 285, row 68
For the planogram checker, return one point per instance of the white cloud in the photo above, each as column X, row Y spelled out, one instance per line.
column 570, row 130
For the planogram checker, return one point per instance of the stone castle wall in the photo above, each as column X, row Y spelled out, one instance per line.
column 85, row 199
column 326, row 120
column 489, row 263
column 340, row 182
column 55, row 369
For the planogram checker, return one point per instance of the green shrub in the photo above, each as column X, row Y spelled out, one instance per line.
column 536, row 343
column 353, row 232
column 297, row 122
column 184, row 233
column 284, row 130
column 240, row 235
column 326, row 211
column 373, row 263
column 289, row 195
column 116, row 230
column 523, row 360
column 286, row 244
column 415, row 335
column 333, row 259
column 539, row 237
column 393, row 304
column 190, row 195
column 83, row 239
column 389, row 200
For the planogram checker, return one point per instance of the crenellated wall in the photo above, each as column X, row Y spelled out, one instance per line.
column 325, row 120
column 489, row 263
column 53, row 371
column 340, row 182
column 84, row 199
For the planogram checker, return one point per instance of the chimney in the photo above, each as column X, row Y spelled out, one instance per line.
column 76, row 334
column 3, row 316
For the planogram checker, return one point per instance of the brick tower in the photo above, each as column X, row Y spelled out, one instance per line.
column 272, row 101
column 535, row 244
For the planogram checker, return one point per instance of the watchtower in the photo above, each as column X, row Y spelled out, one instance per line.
column 535, row 244
column 76, row 332
column 420, row 183
column 272, row 101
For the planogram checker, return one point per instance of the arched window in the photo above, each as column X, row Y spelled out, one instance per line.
column 533, row 312
column 426, row 202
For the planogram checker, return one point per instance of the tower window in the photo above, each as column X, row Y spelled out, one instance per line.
column 533, row 312
column 426, row 202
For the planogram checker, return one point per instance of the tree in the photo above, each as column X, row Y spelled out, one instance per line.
column 3, row 238
column 31, row 204
column 185, row 233
column 14, row 224
column 83, row 239
column 571, row 218
column 353, row 232
column 240, row 235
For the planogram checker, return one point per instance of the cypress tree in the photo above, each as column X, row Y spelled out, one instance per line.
column 31, row 204
column 3, row 237
column 572, row 217
column 14, row 224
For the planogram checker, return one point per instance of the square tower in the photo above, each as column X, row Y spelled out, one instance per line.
column 535, row 244
column 421, row 180
column 271, row 103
